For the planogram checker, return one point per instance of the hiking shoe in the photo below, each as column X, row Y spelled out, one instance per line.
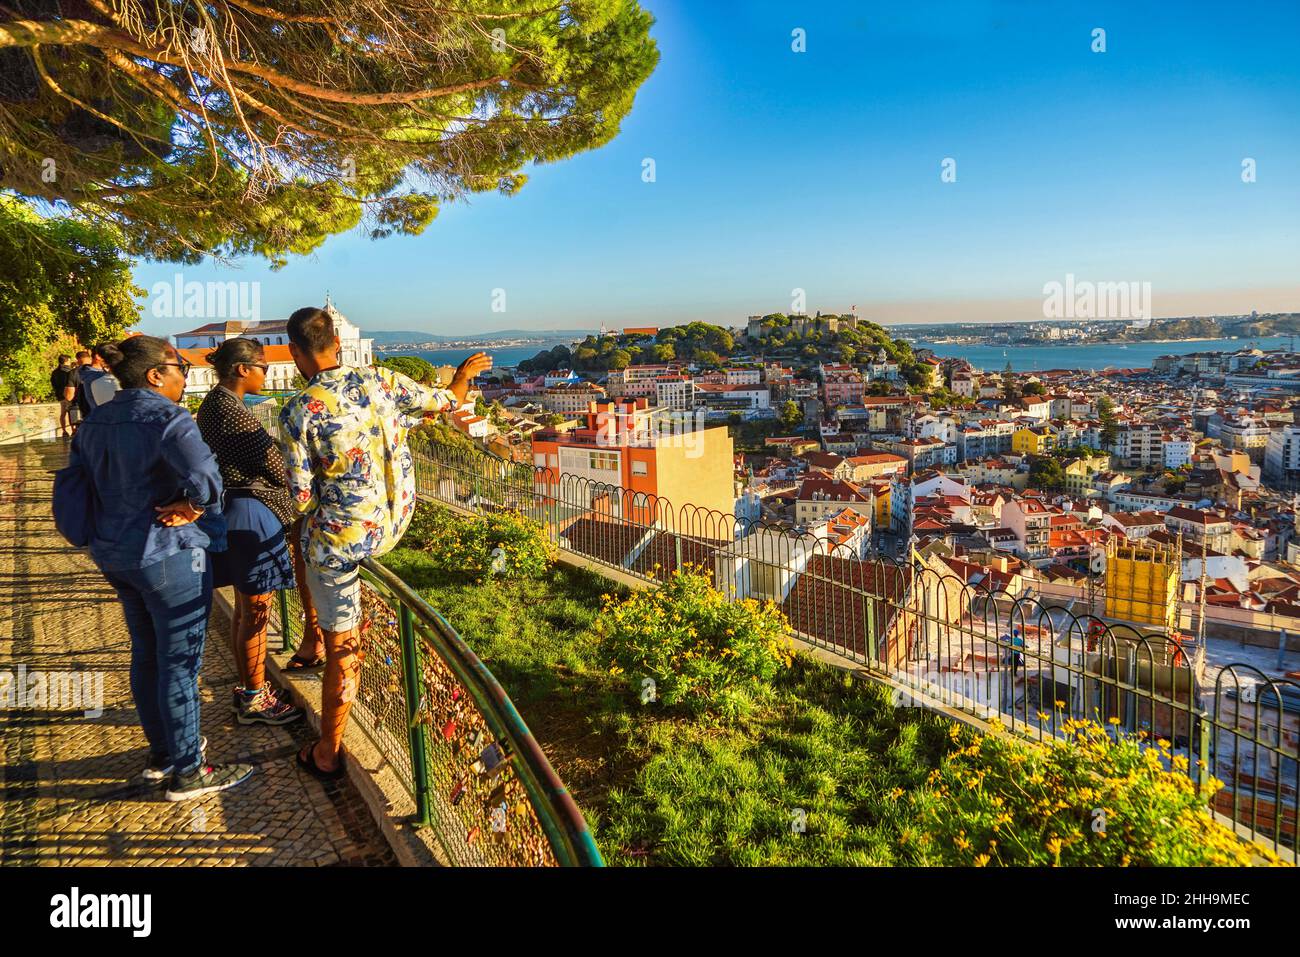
column 160, row 765
column 264, row 707
column 207, row 779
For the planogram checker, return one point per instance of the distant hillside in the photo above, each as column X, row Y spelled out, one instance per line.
column 1214, row 327
column 1286, row 324
column 1195, row 328
column 384, row 337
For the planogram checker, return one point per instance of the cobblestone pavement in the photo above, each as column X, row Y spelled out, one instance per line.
column 70, row 790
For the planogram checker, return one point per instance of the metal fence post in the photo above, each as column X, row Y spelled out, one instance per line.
column 872, row 640
column 282, row 599
column 1203, row 770
column 417, row 731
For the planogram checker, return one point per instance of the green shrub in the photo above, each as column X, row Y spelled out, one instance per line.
column 1088, row 799
column 413, row 367
column 463, row 546
column 703, row 652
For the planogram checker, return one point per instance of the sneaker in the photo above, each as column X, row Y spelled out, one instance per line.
column 237, row 697
column 264, row 707
column 207, row 779
column 160, row 765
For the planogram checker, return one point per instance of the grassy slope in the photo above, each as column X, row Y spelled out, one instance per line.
column 668, row 790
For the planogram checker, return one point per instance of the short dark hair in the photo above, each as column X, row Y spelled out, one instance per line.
column 234, row 352
column 101, row 350
column 311, row 329
column 63, row 359
column 132, row 358
column 83, row 354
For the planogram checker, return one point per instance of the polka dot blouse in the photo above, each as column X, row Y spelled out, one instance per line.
column 249, row 458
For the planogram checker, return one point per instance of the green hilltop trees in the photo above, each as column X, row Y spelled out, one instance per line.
column 707, row 344
column 413, row 367
column 238, row 128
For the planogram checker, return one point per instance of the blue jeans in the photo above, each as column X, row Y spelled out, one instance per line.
column 166, row 605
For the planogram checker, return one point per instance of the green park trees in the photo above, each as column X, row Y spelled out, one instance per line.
column 61, row 280
column 1046, row 473
column 548, row 360
column 244, row 127
column 790, row 414
column 1109, row 424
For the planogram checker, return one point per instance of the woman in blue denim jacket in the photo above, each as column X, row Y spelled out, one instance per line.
column 157, row 512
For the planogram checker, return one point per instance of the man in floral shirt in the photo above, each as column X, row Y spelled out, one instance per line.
column 351, row 475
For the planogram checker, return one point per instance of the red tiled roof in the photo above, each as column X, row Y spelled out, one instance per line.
column 1137, row 519
column 603, row 540
column 830, row 599
column 273, row 354
column 877, row 458
column 662, row 551
column 834, row 489
column 1195, row 515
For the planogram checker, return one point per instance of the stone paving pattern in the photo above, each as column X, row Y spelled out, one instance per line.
column 70, row 790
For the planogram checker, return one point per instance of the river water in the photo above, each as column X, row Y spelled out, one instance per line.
column 1093, row 355
column 510, row 356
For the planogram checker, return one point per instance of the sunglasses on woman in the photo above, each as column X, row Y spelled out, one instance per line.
column 184, row 366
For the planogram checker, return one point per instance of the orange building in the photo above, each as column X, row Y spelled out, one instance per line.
column 635, row 462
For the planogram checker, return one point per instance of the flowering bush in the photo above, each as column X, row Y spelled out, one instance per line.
column 701, row 651
column 467, row 546
column 1089, row 799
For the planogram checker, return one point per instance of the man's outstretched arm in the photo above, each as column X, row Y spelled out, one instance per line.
column 466, row 372
column 415, row 399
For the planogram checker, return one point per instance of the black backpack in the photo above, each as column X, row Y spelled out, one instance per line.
column 79, row 396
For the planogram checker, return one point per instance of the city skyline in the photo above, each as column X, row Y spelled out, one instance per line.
column 821, row 171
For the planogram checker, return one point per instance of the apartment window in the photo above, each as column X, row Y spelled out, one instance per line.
column 539, row 459
column 639, row 468
column 603, row 461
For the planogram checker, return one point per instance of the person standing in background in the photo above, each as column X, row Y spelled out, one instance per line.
column 63, row 382
column 97, row 383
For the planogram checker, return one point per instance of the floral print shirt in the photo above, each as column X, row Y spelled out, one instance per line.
column 349, row 469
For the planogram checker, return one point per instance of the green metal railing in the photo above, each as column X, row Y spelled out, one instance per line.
column 479, row 779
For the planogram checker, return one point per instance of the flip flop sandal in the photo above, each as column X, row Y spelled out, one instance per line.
column 296, row 665
column 309, row 765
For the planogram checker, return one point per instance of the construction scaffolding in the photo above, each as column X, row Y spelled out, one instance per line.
column 1142, row 583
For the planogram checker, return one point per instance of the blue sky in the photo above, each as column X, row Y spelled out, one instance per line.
column 820, row 170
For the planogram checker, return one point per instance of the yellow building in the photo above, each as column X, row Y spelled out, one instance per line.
column 881, row 487
column 1142, row 583
column 1080, row 473
column 1032, row 441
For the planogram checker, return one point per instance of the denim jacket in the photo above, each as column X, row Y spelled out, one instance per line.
column 142, row 450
